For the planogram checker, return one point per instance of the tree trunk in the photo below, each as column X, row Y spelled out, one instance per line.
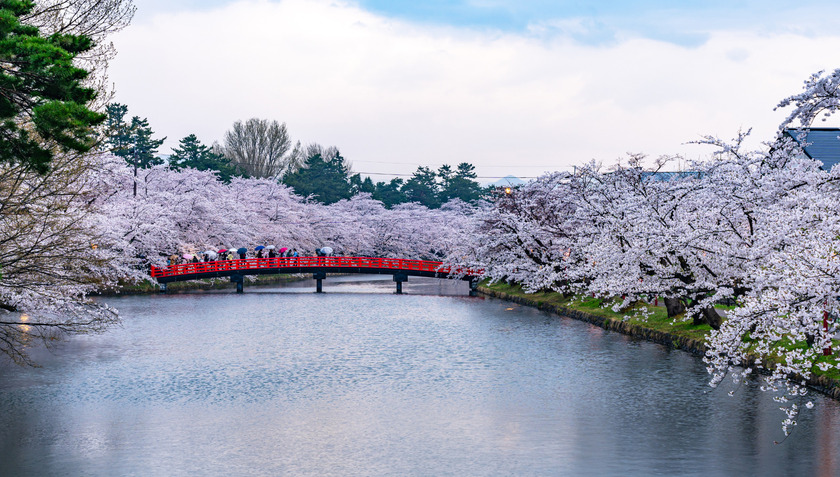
column 710, row 316
column 674, row 307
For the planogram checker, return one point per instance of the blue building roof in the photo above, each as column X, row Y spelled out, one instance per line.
column 669, row 176
column 823, row 144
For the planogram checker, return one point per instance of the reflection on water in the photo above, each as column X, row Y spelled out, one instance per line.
column 360, row 381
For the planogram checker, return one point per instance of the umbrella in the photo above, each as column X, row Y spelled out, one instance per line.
column 326, row 250
column 188, row 256
column 223, row 250
column 283, row 250
column 211, row 254
column 242, row 250
column 259, row 247
column 270, row 247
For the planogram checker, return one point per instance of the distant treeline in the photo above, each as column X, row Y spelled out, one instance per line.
column 261, row 148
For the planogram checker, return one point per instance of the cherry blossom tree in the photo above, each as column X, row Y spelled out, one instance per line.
column 783, row 324
column 95, row 19
column 758, row 228
column 189, row 210
column 820, row 98
column 270, row 214
column 363, row 226
column 53, row 254
column 54, row 250
column 527, row 236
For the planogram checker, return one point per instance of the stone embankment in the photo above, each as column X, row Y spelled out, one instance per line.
column 823, row 384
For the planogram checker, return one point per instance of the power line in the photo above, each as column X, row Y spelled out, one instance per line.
column 411, row 175
column 440, row 164
column 233, row 163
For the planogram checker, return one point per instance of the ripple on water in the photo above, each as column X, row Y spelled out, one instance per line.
column 348, row 383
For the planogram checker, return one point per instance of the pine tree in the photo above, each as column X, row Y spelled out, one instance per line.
column 192, row 153
column 133, row 142
column 390, row 193
column 460, row 184
column 422, row 188
column 43, row 103
column 361, row 186
column 326, row 179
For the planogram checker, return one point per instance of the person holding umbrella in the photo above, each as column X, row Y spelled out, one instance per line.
column 243, row 253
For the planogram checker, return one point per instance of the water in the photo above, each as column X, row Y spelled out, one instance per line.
column 359, row 381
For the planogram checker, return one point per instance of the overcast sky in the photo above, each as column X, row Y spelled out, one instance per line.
column 513, row 86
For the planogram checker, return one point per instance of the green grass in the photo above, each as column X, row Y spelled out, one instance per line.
column 656, row 319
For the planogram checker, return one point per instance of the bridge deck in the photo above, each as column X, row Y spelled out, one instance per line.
column 258, row 266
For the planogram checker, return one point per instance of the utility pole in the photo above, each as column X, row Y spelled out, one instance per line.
column 134, row 162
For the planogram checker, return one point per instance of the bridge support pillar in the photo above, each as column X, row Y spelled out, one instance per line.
column 400, row 278
column 319, row 276
column 163, row 287
column 474, row 287
column 240, row 282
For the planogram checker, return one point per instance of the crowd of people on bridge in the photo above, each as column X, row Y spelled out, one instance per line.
column 243, row 253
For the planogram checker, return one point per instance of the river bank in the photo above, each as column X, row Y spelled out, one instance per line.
column 654, row 326
column 651, row 324
column 359, row 380
column 151, row 286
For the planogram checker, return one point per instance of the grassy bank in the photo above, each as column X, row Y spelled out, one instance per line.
column 643, row 321
column 655, row 317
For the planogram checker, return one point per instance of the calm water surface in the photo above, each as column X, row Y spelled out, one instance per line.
column 359, row 381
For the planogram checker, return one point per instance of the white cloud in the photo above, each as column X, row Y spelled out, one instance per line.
column 385, row 90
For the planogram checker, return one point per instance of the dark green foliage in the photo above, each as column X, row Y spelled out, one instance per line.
column 43, row 104
column 118, row 134
column 143, row 147
column 425, row 186
column 390, row 193
column 459, row 185
column 422, row 188
column 192, row 153
column 325, row 179
column 432, row 189
column 361, row 186
column 131, row 141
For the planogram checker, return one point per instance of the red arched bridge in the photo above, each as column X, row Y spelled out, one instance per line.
column 399, row 268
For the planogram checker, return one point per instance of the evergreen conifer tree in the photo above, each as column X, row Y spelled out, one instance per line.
column 131, row 141
column 422, row 187
column 326, row 179
column 459, row 184
column 192, row 153
column 389, row 193
column 43, row 103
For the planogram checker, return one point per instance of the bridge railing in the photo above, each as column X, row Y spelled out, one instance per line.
column 251, row 264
